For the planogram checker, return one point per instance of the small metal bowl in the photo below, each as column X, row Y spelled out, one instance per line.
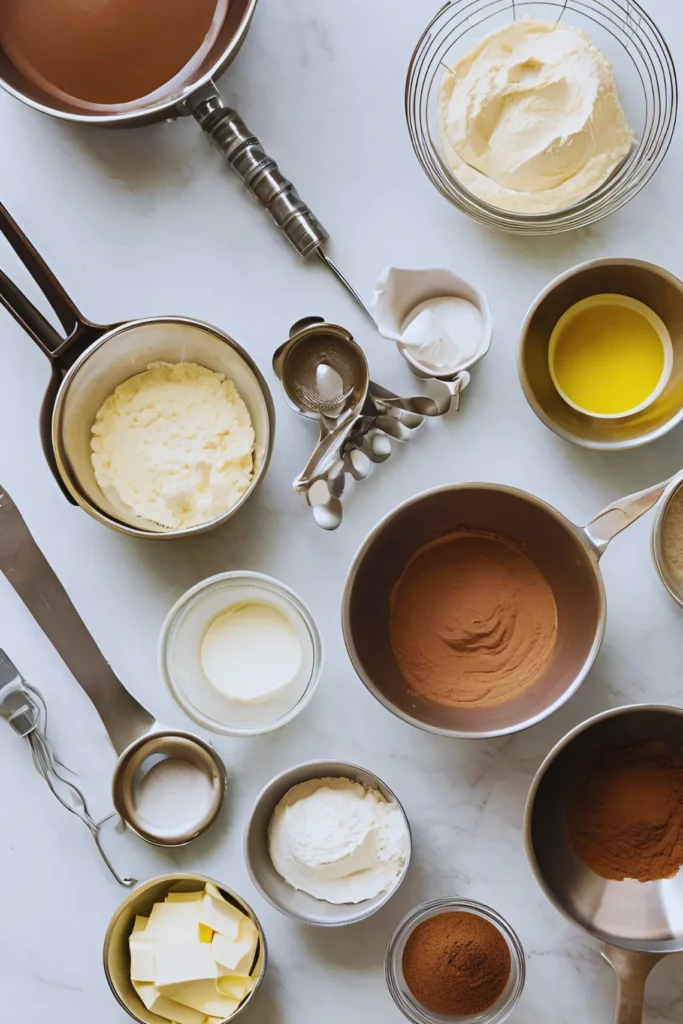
column 289, row 901
column 653, row 286
column 673, row 585
column 116, row 954
column 403, row 997
column 180, row 663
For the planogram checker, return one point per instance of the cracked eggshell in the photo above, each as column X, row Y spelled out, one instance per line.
column 400, row 290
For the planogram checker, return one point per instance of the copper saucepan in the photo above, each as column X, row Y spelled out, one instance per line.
column 567, row 555
column 90, row 360
column 194, row 93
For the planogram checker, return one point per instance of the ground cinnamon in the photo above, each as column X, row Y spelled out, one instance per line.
column 625, row 818
column 456, row 963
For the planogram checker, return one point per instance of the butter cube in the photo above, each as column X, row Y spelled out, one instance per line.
column 174, row 922
column 235, row 986
column 211, row 890
column 205, row 997
column 167, row 1008
column 140, row 924
column 236, row 957
column 185, row 897
column 178, row 963
column 221, row 917
column 143, row 965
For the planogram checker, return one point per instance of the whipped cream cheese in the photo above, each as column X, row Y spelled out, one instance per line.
column 338, row 841
column 175, row 443
column 530, row 120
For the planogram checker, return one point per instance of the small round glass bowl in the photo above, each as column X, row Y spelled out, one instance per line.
column 402, row 996
column 646, row 82
column 180, row 662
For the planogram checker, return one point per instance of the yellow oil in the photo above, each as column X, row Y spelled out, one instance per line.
column 608, row 359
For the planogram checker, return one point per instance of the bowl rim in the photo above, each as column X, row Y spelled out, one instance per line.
column 606, row 299
column 657, row 537
column 487, row 486
column 449, row 903
column 62, row 459
column 355, row 916
column 548, row 760
column 170, row 878
column 532, row 401
column 179, row 606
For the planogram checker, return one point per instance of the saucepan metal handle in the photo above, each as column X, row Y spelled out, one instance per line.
column 79, row 332
column 632, row 970
column 620, row 514
column 259, row 172
column 36, row 583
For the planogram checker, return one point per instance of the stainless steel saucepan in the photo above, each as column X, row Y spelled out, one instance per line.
column 567, row 555
column 635, row 923
column 90, row 361
column 196, row 95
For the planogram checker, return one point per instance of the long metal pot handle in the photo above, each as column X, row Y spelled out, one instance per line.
column 620, row 514
column 36, row 583
column 259, row 172
column 632, row 969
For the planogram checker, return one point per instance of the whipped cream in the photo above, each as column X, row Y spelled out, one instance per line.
column 338, row 841
column 175, row 443
column 530, row 120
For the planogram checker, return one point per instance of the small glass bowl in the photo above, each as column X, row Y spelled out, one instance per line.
column 402, row 996
column 646, row 82
column 180, row 662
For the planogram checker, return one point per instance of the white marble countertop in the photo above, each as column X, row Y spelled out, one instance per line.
column 149, row 222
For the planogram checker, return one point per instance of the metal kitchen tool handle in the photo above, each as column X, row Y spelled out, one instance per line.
column 632, row 969
column 259, row 172
column 620, row 514
column 36, row 583
column 25, row 710
column 60, row 350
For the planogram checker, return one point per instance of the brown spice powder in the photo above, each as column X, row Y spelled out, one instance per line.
column 473, row 621
column 625, row 818
column 456, row 963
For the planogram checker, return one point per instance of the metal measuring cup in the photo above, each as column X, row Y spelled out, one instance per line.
column 89, row 363
column 135, row 734
column 635, row 923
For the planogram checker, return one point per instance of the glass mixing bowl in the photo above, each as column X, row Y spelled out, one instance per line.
column 404, row 999
column 646, row 81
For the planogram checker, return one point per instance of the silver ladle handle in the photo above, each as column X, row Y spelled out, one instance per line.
column 259, row 172
column 36, row 583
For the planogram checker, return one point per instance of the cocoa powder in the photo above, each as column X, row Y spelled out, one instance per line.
column 456, row 963
column 625, row 817
column 473, row 621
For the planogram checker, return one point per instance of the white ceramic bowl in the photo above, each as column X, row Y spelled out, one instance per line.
column 180, row 663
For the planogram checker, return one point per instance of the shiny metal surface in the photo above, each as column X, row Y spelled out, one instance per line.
column 566, row 554
column 638, row 922
column 119, row 355
column 135, row 734
column 116, row 956
column 289, row 901
column 674, row 587
column 654, row 286
column 221, row 55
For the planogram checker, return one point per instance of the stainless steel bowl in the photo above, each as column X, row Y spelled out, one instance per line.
column 88, row 363
column 299, row 905
column 116, row 955
column 637, row 923
column 659, row 290
column 566, row 554
column 673, row 585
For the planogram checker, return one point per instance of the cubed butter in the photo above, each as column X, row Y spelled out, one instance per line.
column 185, row 897
column 178, row 963
column 167, row 1008
column 174, row 922
column 205, row 997
column 221, row 917
column 235, row 986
